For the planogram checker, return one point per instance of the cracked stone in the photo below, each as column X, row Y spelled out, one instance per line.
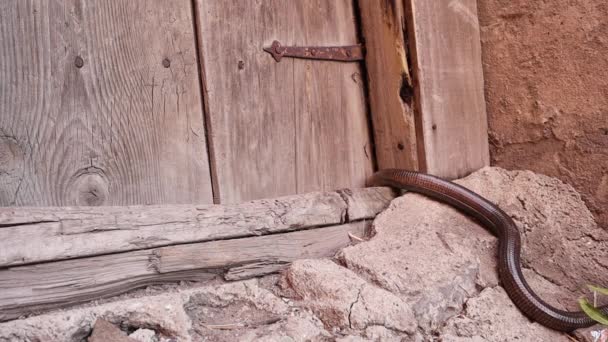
column 558, row 231
column 162, row 313
column 436, row 258
column 491, row 316
column 420, row 261
column 342, row 299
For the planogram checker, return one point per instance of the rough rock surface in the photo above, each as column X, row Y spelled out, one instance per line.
column 428, row 274
column 319, row 286
column 485, row 318
column 144, row 335
column 104, row 331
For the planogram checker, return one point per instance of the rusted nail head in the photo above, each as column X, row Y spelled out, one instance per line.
column 166, row 62
column 313, row 52
column 276, row 46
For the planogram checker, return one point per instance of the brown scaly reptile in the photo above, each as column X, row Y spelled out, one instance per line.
column 509, row 243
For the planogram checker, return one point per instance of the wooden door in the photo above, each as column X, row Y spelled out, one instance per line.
column 289, row 127
column 101, row 102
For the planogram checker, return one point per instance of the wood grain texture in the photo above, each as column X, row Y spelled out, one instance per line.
column 34, row 235
column 100, row 104
column 446, row 59
column 282, row 128
column 25, row 289
column 390, row 86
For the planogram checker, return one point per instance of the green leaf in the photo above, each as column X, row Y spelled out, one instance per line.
column 593, row 312
column 597, row 289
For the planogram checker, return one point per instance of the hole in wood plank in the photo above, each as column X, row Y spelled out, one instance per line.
column 406, row 92
column 79, row 62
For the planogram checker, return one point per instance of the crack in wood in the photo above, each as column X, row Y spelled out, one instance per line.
column 24, row 289
column 26, row 223
column 68, row 233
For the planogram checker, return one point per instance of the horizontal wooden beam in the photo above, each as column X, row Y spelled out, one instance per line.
column 55, row 257
column 34, row 235
column 31, row 288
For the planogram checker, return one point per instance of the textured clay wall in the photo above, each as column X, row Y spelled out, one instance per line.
column 546, row 74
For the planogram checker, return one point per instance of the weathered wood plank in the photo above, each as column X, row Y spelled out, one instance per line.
column 32, row 235
column 289, row 127
column 278, row 249
column 446, row 58
column 389, row 84
column 25, row 289
column 100, row 104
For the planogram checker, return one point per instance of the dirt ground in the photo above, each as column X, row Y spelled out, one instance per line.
column 546, row 74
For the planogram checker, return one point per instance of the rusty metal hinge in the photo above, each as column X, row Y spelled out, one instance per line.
column 351, row 53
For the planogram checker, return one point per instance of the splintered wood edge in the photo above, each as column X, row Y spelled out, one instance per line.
column 34, row 288
column 390, row 86
column 34, row 235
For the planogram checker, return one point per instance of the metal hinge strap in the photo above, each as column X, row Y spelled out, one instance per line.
column 351, row 53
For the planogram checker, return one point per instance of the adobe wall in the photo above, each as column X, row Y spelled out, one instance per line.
column 546, row 74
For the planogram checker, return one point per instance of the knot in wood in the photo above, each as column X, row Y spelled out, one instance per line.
column 88, row 187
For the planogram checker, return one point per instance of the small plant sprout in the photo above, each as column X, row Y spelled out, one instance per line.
column 591, row 309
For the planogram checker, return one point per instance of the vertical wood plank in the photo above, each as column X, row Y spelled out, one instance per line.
column 288, row 127
column 100, row 104
column 446, row 57
column 389, row 84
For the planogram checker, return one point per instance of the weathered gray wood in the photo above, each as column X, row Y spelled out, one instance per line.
column 279, row 248
column 282, row 128
column 31, row 235
column 390, row 86
column 100, row 104
column 25, row 289
column 446, row 61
